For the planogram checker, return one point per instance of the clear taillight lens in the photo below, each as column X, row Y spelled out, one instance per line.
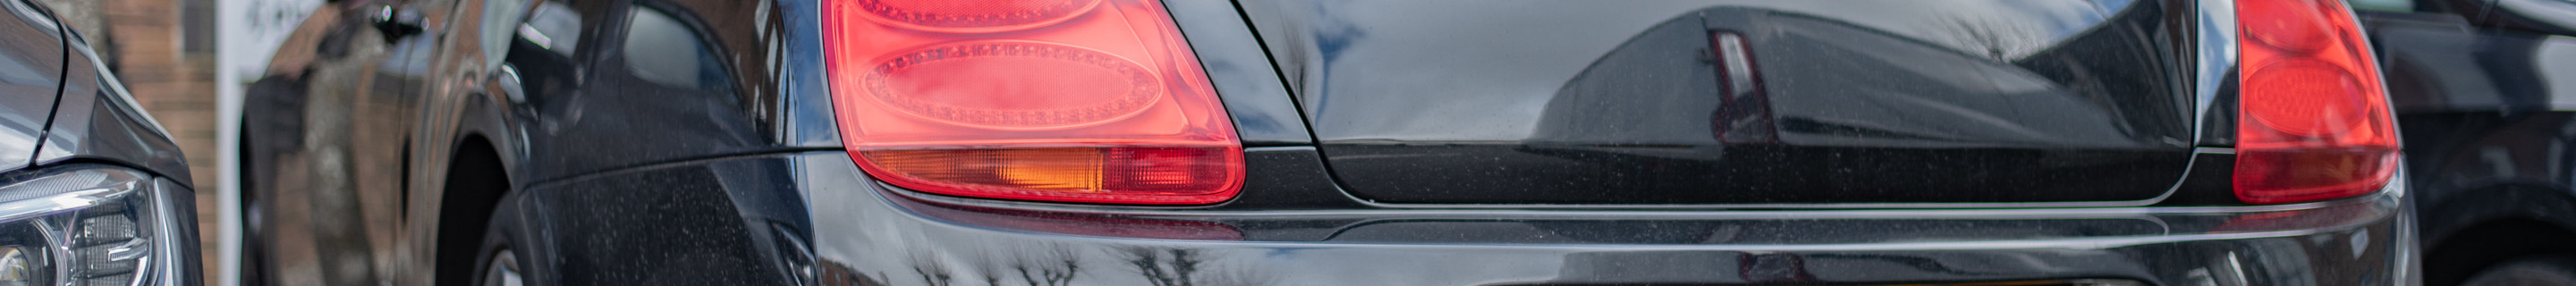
column 1094, row 101
column 2314, row 124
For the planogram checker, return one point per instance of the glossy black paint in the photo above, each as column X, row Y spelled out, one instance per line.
column 867, row 234
column 1559, row 102
column 555, row 89
column 2484, row 111
column 597, row 110
column 690, row 224
column 1264, row 114
column 861, row 233
column 2548, row 17
column 806, row 90
column 2439, row 63
column 30, row 70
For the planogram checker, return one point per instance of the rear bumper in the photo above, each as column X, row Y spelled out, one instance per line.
column 867, row 233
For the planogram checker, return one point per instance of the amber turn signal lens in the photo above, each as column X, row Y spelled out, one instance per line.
column 1131, row 174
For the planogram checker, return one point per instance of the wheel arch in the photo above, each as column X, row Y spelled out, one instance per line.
column 457, row 186
column 2472, row 230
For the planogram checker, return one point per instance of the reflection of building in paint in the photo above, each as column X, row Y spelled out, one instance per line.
column 1839, row 84
column 1969, row 112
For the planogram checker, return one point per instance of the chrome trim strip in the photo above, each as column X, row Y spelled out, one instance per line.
column 2388, row 196
column 2071, row 243
column 2217, row 53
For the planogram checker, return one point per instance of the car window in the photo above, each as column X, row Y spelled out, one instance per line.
column 663, row 50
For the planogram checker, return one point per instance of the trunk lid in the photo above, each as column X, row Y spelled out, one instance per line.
column 1741, row 102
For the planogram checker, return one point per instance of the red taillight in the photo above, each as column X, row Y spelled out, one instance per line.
column 1094, row 101
column 2313, row 123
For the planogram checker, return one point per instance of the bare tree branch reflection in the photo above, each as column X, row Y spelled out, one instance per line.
column 989, row 273
column 1184, row 267
column 1163, row 267
column 1049, row 265
column 932, row 272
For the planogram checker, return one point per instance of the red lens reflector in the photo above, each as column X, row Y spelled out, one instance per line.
column 2330, row 98
column 1011, row 84
column 1101, row 102
column 974, row 16
column 2315, row 125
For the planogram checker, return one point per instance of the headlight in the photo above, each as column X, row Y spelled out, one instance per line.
column 94, row 225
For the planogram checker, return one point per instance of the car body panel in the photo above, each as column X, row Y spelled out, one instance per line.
column 750, row 219
column 876, row 235
column 98, row 120
column 620, row 114
column 1264, row 114
column 737, row 176
column 1563, row 102
column 703, row 222
column 394, row 110
column 2550, row 17
column 30, row 74
column 2485, row 112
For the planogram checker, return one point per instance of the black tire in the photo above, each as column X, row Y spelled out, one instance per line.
column 2546, row 270
column 499, row 256
column 474, row 220
column 254, row 251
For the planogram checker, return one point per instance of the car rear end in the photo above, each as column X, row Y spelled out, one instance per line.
column 1544, row 142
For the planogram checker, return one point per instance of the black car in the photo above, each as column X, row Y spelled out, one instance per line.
column 2482, row 91
column 92, row 191
column 1326, row 142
